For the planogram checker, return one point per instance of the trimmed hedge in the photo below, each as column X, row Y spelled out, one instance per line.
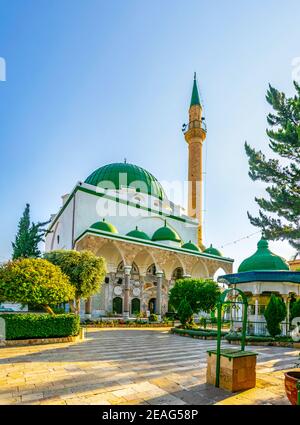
column 250, row 338
column 27, row 326
column 197, row 333
column 260, row 338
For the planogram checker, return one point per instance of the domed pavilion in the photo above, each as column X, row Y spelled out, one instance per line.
column 260, row 275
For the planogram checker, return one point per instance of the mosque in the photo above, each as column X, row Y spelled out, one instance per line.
column 121, row 212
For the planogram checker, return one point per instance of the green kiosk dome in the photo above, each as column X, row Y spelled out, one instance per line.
column 110, row 176
column 191, row 246
column 263, row 259
column 138, row 234
column 165, row 233
column 104, row 226
column 213, row 251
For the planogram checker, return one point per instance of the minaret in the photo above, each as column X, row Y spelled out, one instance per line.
column 195, row 136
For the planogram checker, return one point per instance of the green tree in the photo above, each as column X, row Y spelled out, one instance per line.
column 295, row 309
column 200, row 294
column 274, row 314
column 85, row 270
column 34, row 281
column 28, row 237
column 279, row 215
column 185, row 312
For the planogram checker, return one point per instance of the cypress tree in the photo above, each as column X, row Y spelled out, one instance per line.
column 274, row 314
column 279, row 215
column 28, row 237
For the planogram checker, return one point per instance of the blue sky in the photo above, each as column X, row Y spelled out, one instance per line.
column 91, row 82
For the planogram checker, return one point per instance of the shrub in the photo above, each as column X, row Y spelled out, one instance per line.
column 201, row 294
column 274, row 314
column 153, row 317
column 295, row 310
column 200, row 332
column 34, row 281
column 85, row 270
column 31, row 325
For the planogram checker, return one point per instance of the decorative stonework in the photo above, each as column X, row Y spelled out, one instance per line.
column 124, row 257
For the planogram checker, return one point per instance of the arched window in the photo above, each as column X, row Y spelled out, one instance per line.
column 151, row 269
column 134, row 269
column 118, row 305
column 177, row 273
column 120, row 268
column 135, row 306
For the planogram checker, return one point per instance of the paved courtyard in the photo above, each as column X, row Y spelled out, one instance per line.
column 129, row 366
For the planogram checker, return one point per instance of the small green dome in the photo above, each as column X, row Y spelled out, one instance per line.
column 138, row 234
column 165, row 233
column 118, row 175
column 190, row 245
column 213, row 251
column 263, row 259
column 104, row 226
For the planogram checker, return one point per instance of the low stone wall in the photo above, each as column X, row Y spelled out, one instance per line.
column 39, row 341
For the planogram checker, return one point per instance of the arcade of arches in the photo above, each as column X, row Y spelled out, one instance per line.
column 139, row 277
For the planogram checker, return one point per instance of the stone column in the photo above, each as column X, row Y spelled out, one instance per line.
column 286, row 320
column 88, row 308
column 127, row 270
column 256, row 330
column 159, row 276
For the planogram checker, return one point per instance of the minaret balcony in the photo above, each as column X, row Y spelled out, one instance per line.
column 197, row 124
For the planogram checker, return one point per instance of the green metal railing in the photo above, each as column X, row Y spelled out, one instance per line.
column 220, row 304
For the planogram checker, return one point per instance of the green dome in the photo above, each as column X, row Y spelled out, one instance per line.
column 104, row 226
column 190, row 245
column 165, row 234
column 135, row 177
column 213, row 251
column 263, row 259
column 138, row 234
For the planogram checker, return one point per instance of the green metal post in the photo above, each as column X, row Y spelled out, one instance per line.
column 218, row 363
column 243, row 342
column 298, row 389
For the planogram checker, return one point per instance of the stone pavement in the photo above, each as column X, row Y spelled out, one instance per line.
column 131, row 366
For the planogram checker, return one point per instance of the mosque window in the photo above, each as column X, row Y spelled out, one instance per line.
column 177, row 273
column 151, row 269
column 57, row 238
column 120, row 281
column 134, row 269
column 106, row 280
column 120, row 267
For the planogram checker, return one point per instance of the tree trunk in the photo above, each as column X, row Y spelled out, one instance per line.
column 49, row 309
column 72, row 308
column 77, row 303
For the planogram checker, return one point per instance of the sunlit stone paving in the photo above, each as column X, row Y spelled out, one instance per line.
column 131, row 366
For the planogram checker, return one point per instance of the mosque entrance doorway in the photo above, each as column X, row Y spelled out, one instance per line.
column 152, row 305
column 117, row 305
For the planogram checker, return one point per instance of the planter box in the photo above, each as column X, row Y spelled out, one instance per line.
column 237, row 369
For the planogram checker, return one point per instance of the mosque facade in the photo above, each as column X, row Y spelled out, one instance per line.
column 121, row 212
